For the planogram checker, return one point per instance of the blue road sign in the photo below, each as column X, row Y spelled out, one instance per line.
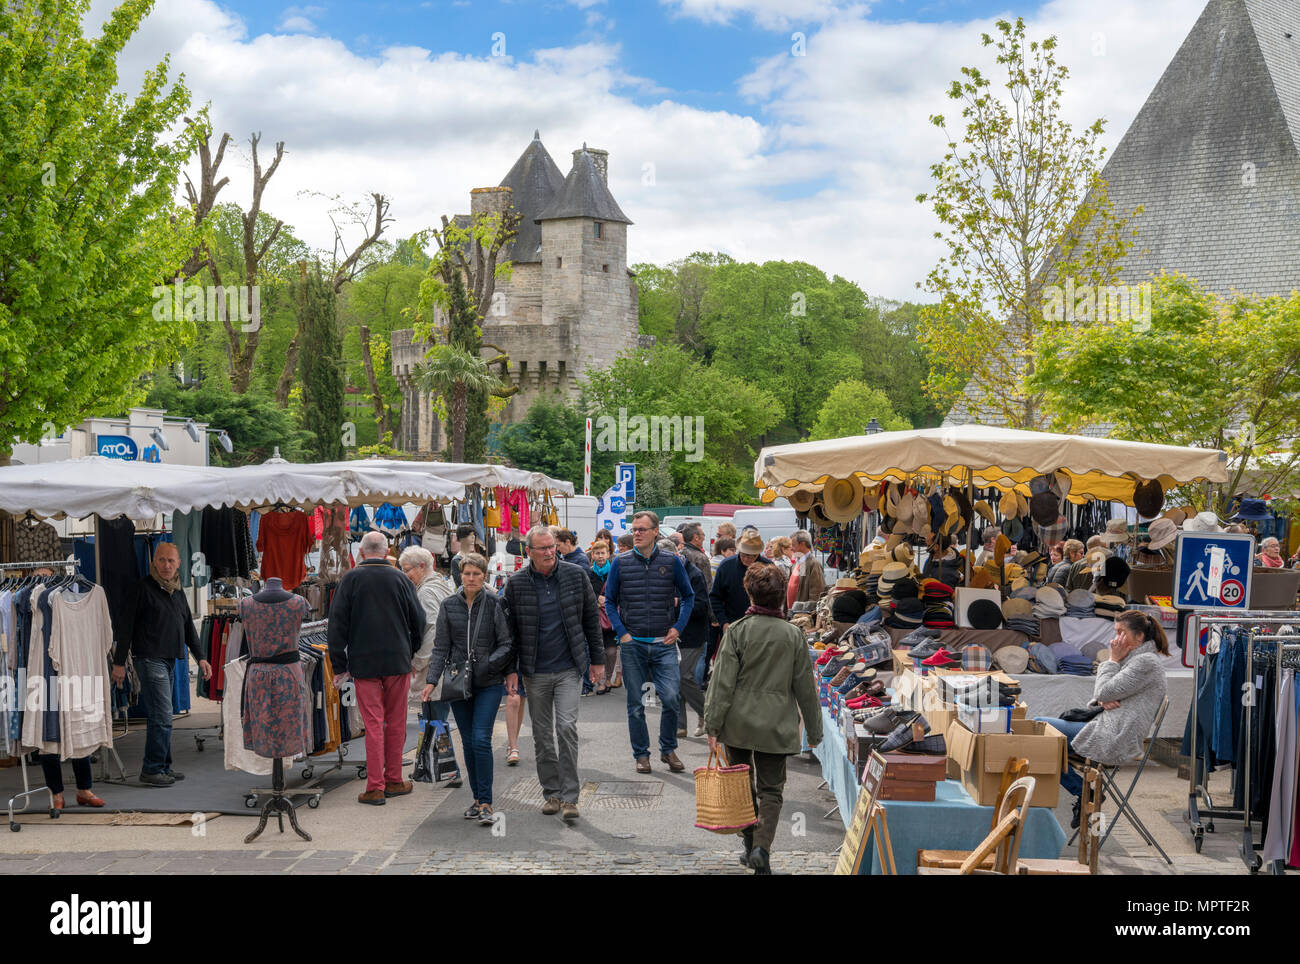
column 1212, row 570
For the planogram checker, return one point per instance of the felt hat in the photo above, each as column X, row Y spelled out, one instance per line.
column 937, row 514
column 1175, row 515
column 984, row 511
column 1040, row 484
column 952, row 517
column 963, row 503
column 842, row 499
column 1012, row 570
column 1115, row 572
column 1001, row 547
column 801, row 500
column 817, row 516
column 1011, row 659
column 1252, row 510
column 1161, row 532
column 982, row 579
column 984, row 614
column 1044, row 508
column 1149, row 498
column 1116, row 531
column 1013, row 529
column 750, row 544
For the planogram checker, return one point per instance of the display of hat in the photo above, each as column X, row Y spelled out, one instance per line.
column 984, row 614
column 1149, row 498
column 848, row 606
column 910, row 610
column 1161, row 532
column 963, row 504
column 1001, row 547
column 1013, row 529
column 1116, row 531
column 1048, row 603
column 1044, row 508
column 951, row 515
column 982, row 579
column 801, row 500
column 1011, row 659
column 751, row 544
column 1008, row 505
column 1115, row 572
column 976, row 657
column 1252, row 510
column 1108, row 606
column 1015, row 608
column 1176, row 515
column 1012, row 570
column 1054, row 533
column 985, row 511
column 905, row 588
column 1203, row 522
column 1057, row 588
column 1079, row 599
column 842, row 499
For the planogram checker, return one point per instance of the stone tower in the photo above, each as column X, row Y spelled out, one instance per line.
column 570, row 303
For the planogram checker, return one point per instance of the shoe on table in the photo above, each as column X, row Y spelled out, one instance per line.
column 398, row 789
column 157, row 779
column 674, row 764
column 471, row 812
column 551, row 806
column 373, row 797
column 643, row 764
column 174, row 775
column 569, row 812
column 485, row 818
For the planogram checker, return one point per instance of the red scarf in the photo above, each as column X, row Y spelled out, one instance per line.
column 755, row 610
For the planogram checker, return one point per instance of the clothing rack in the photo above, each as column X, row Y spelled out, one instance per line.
column 1196, row 781
column 310, row 763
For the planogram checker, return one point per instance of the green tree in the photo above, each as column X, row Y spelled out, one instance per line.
column 850, row 406
column 893, row 359
column 88, row 222
column 551, row 438
column 1023, row 207
column 674, row 301
column 256, row 425
column 454, row 373
column 1198, row 371
column 322, row 365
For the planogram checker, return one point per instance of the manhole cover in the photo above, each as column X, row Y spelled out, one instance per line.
column 646, row 788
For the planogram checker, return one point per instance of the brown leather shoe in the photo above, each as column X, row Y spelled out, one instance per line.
column 674, row 764
column 373, row 797
column 551, row 806
column 397, row 789
column 569, row 812
column 643, row 764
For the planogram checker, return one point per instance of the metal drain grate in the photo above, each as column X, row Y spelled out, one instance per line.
column 526, row 795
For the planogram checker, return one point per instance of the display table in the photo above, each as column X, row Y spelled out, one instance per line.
column 955, row 639
column 840, row 776
column 953, row 821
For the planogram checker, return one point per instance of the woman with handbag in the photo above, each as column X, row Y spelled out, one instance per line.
column 762, row 683
column 598, row 573
column 473, row 664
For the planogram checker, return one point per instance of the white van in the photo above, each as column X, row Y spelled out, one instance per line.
column 709, row 523
column 770, row 522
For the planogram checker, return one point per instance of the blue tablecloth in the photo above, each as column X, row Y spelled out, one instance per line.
column 952, row 821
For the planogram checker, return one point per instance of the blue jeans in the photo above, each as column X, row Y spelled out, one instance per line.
column 652, row 663
column 156, row 695
column 1070, row 780
column 475, row 718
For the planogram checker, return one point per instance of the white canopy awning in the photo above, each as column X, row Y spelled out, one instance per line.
column 1099, row 468
column 467, row 473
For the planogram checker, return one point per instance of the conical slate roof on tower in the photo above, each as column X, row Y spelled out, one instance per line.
column 584, row 195
column 533, row 181
column 1214, row 155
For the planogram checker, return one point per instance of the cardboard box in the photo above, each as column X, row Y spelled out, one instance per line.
column 964, row 596
column 984, row 719
column 981, row 758
column 902, row 661
column 941, row 717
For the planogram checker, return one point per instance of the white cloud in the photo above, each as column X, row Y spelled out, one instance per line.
column 843, row 131
column 768, row 14
column 299, row 19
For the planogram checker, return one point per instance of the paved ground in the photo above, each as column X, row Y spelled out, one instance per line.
column 631, row 823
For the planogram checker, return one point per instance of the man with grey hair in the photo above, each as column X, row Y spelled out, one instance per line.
column 551, row 609
column 807, row 579
column 693, row 551
column 376, row 627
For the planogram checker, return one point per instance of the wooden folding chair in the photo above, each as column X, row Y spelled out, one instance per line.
column 1015, row 769
column 1003, row 842
column 1089, row 839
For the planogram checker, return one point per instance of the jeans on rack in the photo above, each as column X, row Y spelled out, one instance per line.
column 156, row 695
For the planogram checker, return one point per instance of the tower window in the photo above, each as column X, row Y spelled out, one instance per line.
column 605, row 268
column 559, row 262
column 563, row 366
column 598, row 226
column 523, row 370
column 541, row 371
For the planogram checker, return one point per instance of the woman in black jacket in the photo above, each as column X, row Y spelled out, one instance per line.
column 598, row 573
column 474, row 621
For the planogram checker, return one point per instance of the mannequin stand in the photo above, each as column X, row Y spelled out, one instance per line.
column 279, row 805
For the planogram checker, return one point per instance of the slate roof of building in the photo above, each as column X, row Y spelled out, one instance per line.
column 533, row 181
column 584, row 195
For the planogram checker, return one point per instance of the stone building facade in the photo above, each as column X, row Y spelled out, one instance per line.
column 570, row 303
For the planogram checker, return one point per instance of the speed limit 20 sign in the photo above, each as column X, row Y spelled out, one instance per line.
column 1212, row 570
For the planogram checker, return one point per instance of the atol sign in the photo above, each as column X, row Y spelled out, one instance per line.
column 117, row 447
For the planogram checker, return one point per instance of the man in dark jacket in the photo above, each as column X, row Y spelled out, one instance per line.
column 728, row 597
column 551, row 610
column 693, row 552
column 695, row 639
column 375, row 629
column 649, row 600
column 161, row 629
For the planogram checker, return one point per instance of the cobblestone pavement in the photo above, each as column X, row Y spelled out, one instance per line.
column 580, row 862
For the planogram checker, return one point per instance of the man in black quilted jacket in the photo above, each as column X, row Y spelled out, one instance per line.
column 552, row 612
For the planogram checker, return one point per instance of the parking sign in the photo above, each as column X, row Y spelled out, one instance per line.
column 1212, row 570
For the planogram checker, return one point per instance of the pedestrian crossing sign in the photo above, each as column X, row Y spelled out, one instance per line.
column 1212, row 570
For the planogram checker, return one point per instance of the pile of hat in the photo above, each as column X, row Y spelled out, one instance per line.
column 1070, row 659
column 937, row 599
column 1019, row 616
column 1049, row 601
column 1080, row 604
column 1107, row 606
column 908, row 610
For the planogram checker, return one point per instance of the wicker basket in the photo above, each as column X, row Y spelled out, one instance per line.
column 723, row 800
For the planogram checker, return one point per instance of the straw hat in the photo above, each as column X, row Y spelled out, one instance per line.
column 842, row 499
column 870, row 498
column 817, row 516
column 801, row 501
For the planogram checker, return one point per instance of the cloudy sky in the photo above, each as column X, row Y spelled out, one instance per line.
column 769, row 129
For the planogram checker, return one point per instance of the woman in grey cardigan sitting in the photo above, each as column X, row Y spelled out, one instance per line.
column 1129, row 690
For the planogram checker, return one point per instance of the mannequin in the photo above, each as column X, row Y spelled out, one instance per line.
column 274, row 722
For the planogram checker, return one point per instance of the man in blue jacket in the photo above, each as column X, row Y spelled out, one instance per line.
column 648, row 598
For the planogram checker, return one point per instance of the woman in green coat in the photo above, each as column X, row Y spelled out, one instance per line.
column 762, row 683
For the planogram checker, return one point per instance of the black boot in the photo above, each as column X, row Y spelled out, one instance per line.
column 758, row 861
column 747, row 838
column 1074, row 819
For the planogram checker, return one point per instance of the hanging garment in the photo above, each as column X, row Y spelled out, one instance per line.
column 335, row 559
column 390, row 518
column 1282, row 805
column 239, row 757
column 35, row 541
column 120, row 571
column 359, row 522
column 284, row 539
column 81, row 639
column 187, row 533
column 274, row 722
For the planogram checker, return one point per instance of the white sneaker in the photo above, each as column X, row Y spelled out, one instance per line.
column 699, row 730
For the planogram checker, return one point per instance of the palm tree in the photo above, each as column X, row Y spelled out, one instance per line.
column 453, row 372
